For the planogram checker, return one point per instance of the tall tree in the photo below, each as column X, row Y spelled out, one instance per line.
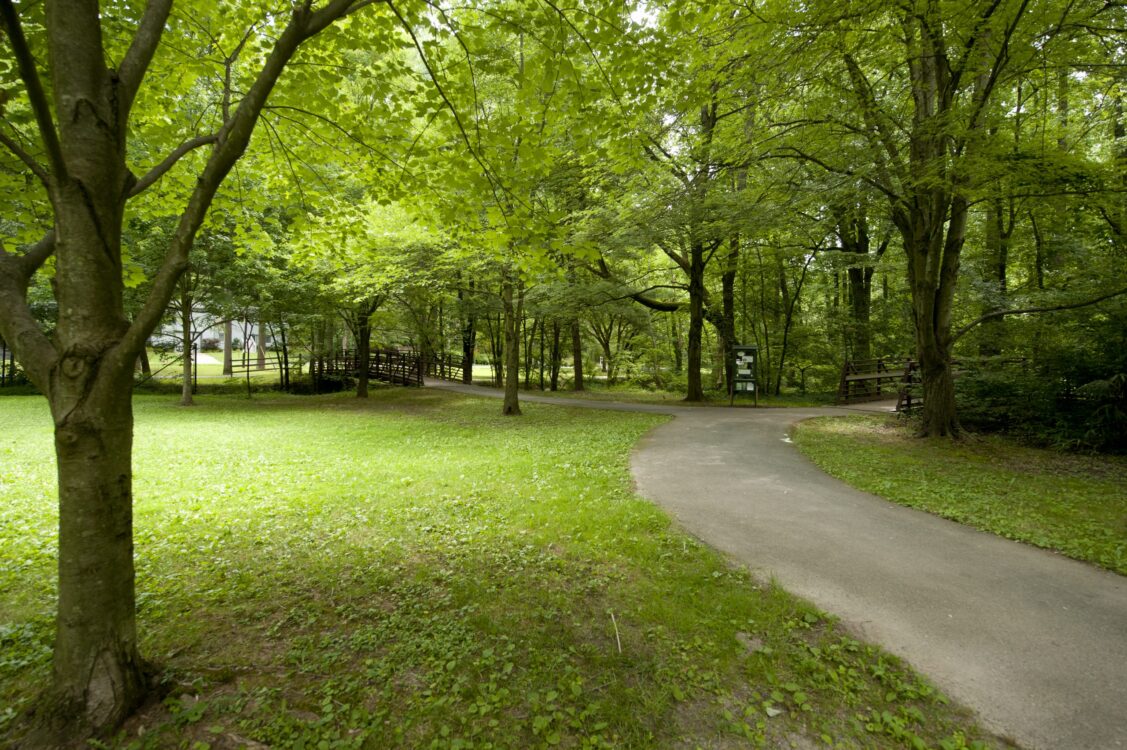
column 83, row 122
column 922, row 77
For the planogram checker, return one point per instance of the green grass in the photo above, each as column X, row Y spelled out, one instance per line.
column 596, row 390
column 416, row 571
column 1074, row 504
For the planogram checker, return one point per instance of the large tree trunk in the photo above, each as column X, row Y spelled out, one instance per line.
column 932, row 234
column 939, row 416
column 98, row 675
column 695, row 389
column 98, row 672
column 511, row 324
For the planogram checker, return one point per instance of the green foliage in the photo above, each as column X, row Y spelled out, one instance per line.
column 417, row 571
column 1074, row 504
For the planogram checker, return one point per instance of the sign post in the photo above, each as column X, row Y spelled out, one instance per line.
column 746, row 358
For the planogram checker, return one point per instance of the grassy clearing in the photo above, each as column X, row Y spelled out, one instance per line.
column 1071, row 503
column 417, row 571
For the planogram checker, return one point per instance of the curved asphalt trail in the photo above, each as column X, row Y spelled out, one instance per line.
column 1035, row 643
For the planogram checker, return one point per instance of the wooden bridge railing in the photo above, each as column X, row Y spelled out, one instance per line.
column 445, row 367
column 388, row 365
column 873, row 379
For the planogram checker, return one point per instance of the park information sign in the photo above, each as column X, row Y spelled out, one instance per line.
column 745, row 361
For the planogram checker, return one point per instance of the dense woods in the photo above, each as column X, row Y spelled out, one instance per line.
column 603, row 193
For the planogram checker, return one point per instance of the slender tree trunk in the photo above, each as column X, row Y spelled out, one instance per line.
column 260, row 347
column 363, row 348
column 512, row 314
column 285, row 356
column 853, row 234
column 496, row 340
column 695, row 389
column 655, row 362
column 531, row 331
column 186, row 335
column 577, row 355
column 469, row 342
column 228, row 332
column 609, row 360
column 727, row 329
column 143, row 362
column 678, row 343
column 997, row 252
column 554, row 382
column 1038, row 251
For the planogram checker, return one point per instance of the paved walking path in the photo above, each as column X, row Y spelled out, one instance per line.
column 1035, row 643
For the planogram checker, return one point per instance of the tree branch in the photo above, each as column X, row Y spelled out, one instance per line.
column 793, row 152
column 34, row 87
column 494, row 181
column 230, row 146
column 17, row 325
column 228, row 64
column 32, row 258
column 140, row 53
column 36, row 255
column 36, row 168
column 161, row 169
column 1030, row 310
column 603, row 271
column 667, row 162
column 872, row 117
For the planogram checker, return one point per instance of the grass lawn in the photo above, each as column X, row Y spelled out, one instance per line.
column 596, row 390
column 416, row 571
column 1074, row 504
